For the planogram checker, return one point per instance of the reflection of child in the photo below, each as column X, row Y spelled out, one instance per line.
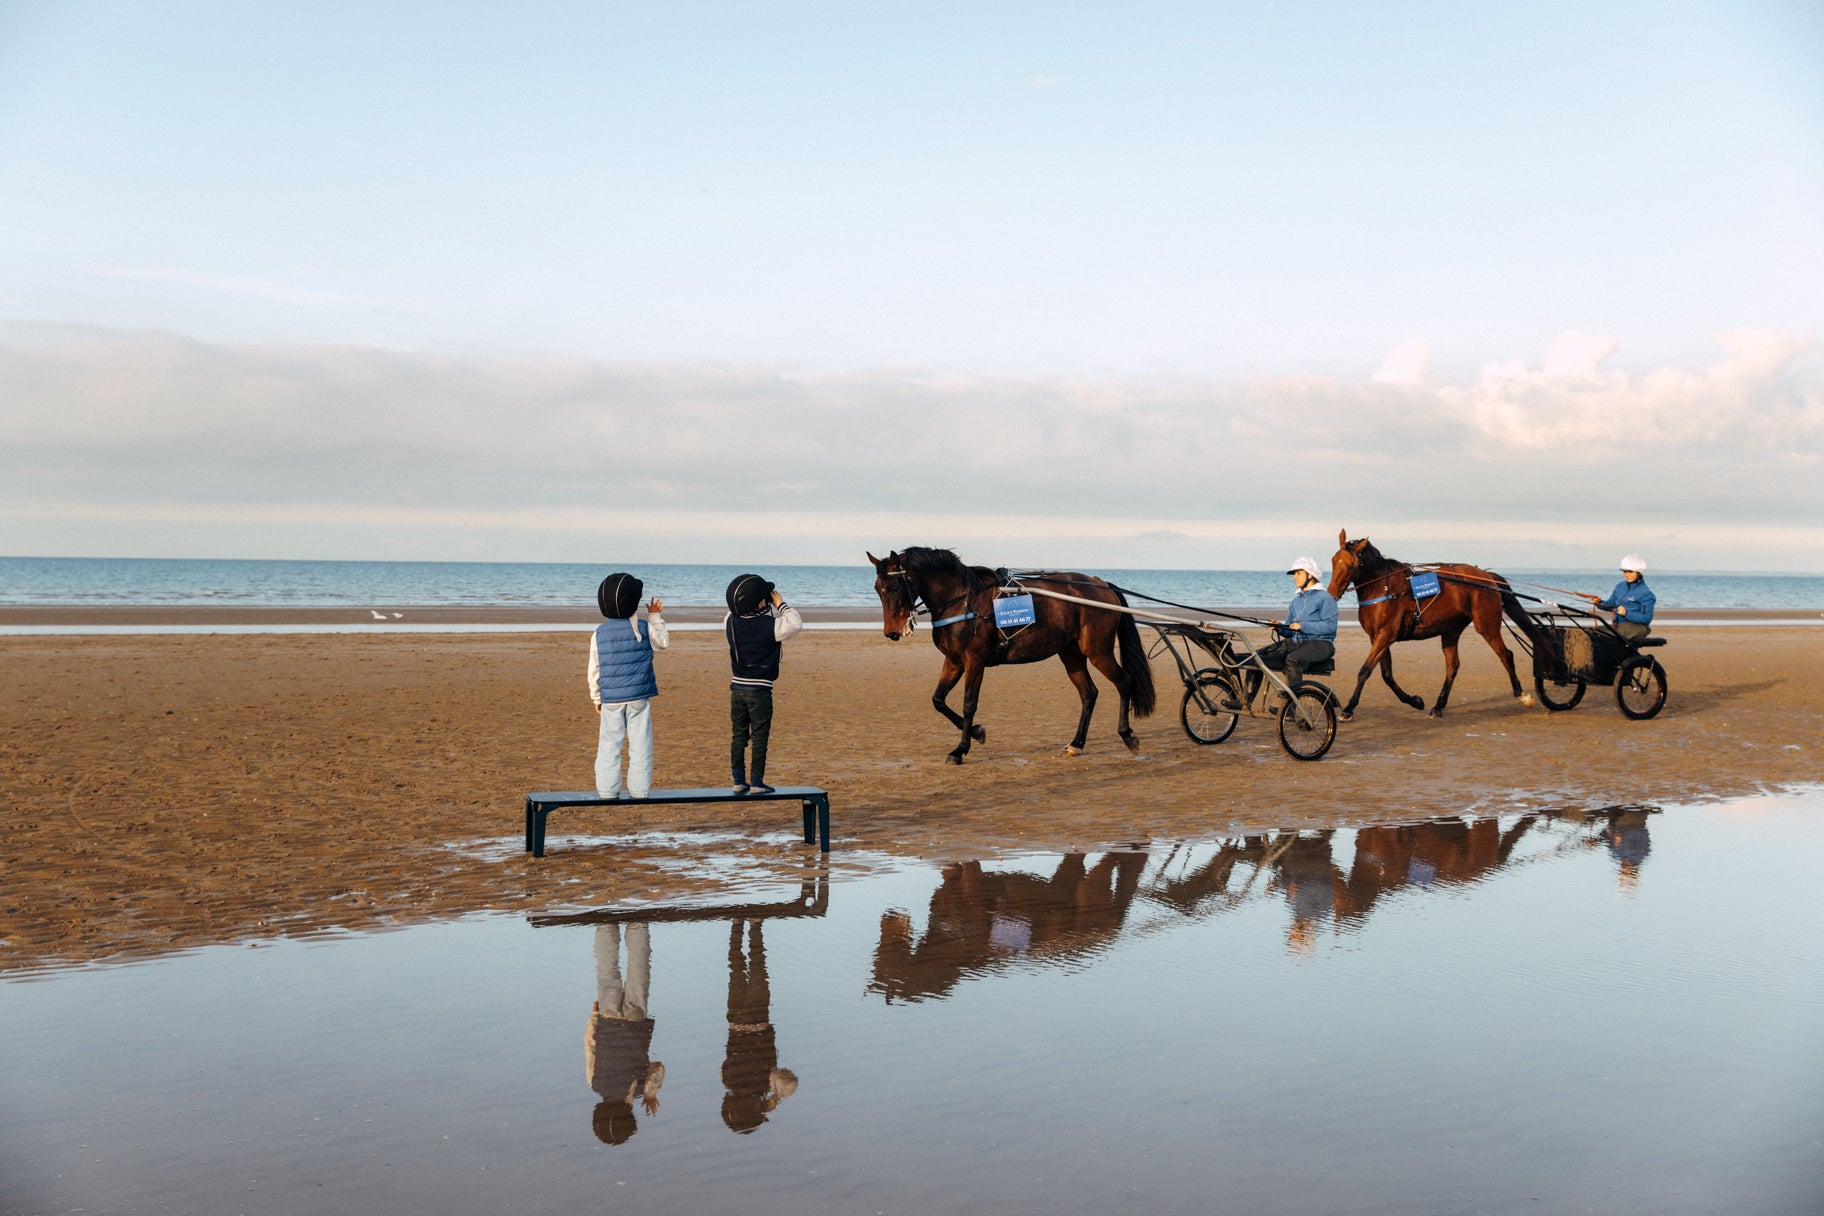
column 622, row 684
column 756, row 1084
column 758, row 621
column 617, row 1047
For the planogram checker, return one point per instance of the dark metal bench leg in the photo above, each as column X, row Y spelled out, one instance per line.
column 823, row 824
column 528, row 825
column 539, row 817
column 809, row 809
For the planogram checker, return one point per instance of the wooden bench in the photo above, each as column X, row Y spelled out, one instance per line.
column 816, row 807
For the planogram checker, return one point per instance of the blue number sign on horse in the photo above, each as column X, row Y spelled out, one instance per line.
column 1012, row 611
column 1424, row 585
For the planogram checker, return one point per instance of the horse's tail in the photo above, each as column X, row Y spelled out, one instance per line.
column 1515, row 612
column 1135, row 663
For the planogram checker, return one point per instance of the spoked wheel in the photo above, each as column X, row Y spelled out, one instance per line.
column 1311, row 738
column 1559, row 696
column 1204, row 718
column 1640, row 687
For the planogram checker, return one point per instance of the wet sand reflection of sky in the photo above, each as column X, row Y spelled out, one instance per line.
column 1614, row 1009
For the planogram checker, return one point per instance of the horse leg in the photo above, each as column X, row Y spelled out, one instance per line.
column 1072, row 658
column 1451, row 662
column 1490, row 629
column 946, row 680
column 972, row 687
column 1117, row 675
column 1377, row 653
column 1405, row 697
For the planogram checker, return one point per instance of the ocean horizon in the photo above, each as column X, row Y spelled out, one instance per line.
column 286, row 583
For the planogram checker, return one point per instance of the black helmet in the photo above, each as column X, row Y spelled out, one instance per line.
column 748, row 594
column 619, row 596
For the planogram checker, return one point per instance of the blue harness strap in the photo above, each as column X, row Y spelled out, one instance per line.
column 951, row 620
column 1379, row 599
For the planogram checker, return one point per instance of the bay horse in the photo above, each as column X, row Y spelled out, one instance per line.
column 1389, row 612
column 960, row 599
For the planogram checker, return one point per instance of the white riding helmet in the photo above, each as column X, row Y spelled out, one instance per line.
column 1634, row 562
column 1309, row 566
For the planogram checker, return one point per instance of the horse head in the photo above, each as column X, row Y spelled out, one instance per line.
column 898, row 597
column 1346, row 563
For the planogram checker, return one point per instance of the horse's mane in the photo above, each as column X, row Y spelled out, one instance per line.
column 1370, row 560
column 920, row 560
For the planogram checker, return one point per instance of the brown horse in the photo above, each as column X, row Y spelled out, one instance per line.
column 1389, row 612
column 961, row 599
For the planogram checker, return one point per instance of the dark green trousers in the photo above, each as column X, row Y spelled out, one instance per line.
column 750, row 717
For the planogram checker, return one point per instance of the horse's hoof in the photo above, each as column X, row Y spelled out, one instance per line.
column 1347, row 715
column 953, row 757
column 1436, row 713
column 1417, row 702
column 1072, row 750
column 1526, row 699
column 979, row 734
column 1132, row 740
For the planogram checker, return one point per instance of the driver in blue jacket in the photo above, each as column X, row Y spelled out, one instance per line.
column 1632, row 600
column 1308, row 634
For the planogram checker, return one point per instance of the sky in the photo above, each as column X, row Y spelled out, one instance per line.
column 1147, row 285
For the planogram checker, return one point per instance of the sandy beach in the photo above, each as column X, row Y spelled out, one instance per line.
column 163, row 792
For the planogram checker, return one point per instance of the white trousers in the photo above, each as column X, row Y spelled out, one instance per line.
column 621, row 995
column 629, row 721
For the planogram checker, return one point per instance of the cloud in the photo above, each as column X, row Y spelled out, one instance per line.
column 1407, row 363
column 94, row 422
column 1748, row 406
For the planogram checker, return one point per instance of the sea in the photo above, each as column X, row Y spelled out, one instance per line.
column 185, row 582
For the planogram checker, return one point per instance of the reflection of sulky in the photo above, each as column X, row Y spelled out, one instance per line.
column 756, row 1084
column 618, row 1043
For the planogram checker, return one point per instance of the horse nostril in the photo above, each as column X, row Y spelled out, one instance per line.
column 893, row 635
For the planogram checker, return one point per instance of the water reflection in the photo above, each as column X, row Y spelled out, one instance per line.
column 982, row 919
column 617, row 1045
column 1137, row 1029
column 750, row 1066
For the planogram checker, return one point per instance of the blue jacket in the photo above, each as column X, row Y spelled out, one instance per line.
column 1637, row 598
column 624, row 653
column 1314, row 611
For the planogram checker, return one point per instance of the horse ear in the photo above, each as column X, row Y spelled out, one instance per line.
column 1342, row 537
column 872, row 558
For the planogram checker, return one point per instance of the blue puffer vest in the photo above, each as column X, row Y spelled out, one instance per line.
column 625, row 658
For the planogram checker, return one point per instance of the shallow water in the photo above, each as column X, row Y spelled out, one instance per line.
column 1615, row 1012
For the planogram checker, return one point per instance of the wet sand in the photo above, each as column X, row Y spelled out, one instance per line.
column 163, row 792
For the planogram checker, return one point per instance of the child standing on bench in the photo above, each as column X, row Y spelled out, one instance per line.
column 758, row 620
column 622, row 683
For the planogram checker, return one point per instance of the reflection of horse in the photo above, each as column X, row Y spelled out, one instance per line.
column 980, row 920
column 1389, row 612
column 1443, row 852
column 961, row 599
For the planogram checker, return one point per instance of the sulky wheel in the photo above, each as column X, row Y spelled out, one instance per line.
column 1559, row 696
column 1205, row 720
column 1310, row 739
column 1640, row 687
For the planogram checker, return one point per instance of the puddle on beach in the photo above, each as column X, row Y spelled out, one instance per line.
column 1616, row 1011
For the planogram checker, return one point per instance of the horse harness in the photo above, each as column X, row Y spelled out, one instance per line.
column 1007, row 585
column 1418, row 605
